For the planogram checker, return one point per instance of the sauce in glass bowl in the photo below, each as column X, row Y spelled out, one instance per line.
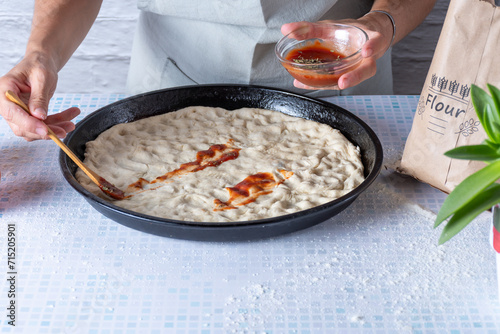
column 313, row 55
column 318, row 54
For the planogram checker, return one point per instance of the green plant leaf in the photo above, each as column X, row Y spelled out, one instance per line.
column 496, row 217
column 482, row 103
column 462, row 217
column 482, row 152
column 478, row 192
column 491, row 144
column 490, row 126
column 467, row 190
column 495, row 129
column 495, row 95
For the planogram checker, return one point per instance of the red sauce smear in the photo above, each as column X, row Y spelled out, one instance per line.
column 213, row 157
column 310, row 55
column 248, row 190
column 245, row 192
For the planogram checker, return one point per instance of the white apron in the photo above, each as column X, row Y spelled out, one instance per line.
column 187, row 42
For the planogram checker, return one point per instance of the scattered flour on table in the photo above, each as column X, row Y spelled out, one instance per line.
column 369, row 275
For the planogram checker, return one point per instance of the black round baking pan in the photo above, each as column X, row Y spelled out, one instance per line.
column 229, row 97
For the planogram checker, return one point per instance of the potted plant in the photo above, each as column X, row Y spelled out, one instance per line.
column 479, row 191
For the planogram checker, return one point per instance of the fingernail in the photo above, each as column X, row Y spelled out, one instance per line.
column 41, row 130
column 343, row 83
column 40, row 113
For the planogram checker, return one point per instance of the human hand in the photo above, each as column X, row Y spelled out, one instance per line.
column 34, row 80
column 379, row 39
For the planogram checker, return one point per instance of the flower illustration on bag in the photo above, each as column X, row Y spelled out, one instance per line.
column 469, row 127
column 421, row 106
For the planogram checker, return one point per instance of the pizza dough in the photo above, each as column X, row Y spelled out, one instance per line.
column 285, row 164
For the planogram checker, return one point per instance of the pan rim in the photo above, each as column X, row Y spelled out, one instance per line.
column 165, row 222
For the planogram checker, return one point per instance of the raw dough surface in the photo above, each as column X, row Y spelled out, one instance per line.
column 325, row 165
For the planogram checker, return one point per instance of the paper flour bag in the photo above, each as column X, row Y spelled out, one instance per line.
column 467, row 53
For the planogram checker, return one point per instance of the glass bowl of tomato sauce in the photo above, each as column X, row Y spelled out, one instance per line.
column 317, row 54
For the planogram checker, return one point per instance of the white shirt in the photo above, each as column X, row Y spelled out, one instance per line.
column 187, row 42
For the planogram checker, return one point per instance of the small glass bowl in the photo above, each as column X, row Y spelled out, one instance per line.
column 343, row 41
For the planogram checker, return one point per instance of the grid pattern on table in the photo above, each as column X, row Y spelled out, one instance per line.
column 391, row 118
column 374, row 268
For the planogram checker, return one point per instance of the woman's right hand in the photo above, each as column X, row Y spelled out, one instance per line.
column 34, row 80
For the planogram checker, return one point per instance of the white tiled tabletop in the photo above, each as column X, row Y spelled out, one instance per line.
column 374, row 268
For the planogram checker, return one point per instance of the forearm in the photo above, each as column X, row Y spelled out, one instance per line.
column 407, row 14
column 59, row 26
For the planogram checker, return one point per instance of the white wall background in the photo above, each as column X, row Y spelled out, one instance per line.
column 412, row 56
column 100, row 63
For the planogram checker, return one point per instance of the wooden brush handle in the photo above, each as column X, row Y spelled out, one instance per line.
column 91, row 174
